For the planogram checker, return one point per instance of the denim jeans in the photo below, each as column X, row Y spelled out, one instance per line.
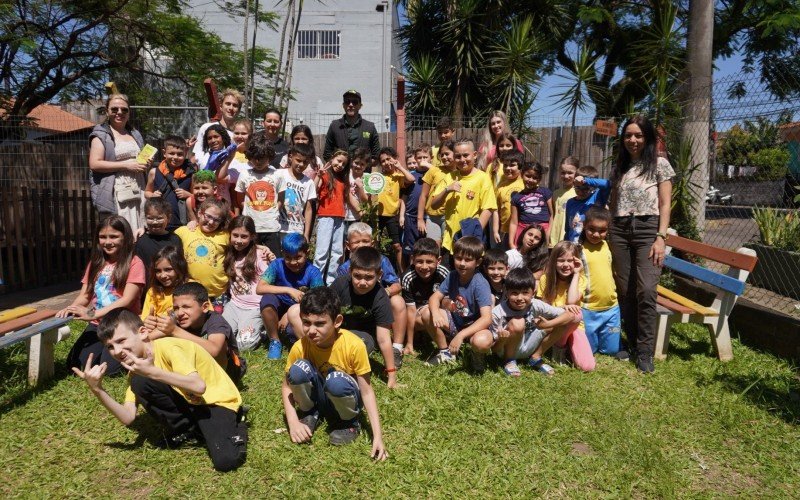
column 329, row 246
column 334, row 395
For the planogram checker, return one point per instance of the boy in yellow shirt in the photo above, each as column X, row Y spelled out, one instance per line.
column 396, row 177
column 328, row 375
column 510, row 183
column 430, row 221
column 566, row 174
column 469, row 193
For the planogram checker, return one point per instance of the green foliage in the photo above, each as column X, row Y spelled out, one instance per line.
column 757, row 143
column 685, row 193
column 369, row 215
column 779, row 229
column 772, row 163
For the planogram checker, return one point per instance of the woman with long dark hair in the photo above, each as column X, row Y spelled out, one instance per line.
column 640, row 203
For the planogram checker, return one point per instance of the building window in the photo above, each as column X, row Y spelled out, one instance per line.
column 318, row 44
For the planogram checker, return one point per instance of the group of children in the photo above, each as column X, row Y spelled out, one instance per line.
column 225, row 264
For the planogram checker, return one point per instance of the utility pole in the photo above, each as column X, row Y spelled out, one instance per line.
column 696, row 126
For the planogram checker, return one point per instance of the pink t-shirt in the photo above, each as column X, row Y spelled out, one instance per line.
column 104, row 293
column 243, row 293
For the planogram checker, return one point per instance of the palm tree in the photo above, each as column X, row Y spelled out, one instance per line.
column 581, row 80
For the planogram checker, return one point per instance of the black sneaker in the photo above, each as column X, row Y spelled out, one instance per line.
column 345, row 435
column 644, row 364
column 623, row 355
column 398, row 357
column 311, row 420
column 441, row 358
column 174, row 441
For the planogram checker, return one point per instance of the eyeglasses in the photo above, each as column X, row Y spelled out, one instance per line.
column 211, row 218
column 124, row 111
column 354, row 102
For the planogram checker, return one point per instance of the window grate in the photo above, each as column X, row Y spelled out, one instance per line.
column 318, row 44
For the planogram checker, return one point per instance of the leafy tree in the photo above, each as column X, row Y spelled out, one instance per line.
column 60, row 49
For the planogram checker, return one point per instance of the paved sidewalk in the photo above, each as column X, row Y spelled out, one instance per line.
column 51, row 297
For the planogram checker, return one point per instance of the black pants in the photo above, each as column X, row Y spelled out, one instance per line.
column 630, row 239
column 271, row 241
column 88, row 343
column 225, row 436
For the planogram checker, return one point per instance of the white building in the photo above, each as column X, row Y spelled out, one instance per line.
column 341, row 45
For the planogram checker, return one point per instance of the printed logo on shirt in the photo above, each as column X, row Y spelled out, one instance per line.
column 365, row 135
column 470, row 195
column 261, row 195
column 462, row 308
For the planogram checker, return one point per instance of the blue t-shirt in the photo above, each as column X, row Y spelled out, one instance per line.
column 412, row 193
column 388, row 276
column 576, row 209
column 532, row 206
column 279, row 275
column 467, row 299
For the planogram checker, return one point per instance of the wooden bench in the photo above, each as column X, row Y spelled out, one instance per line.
column 675, row 308
column 40, row 330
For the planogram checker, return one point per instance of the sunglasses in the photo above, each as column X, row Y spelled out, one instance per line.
column 124, row 111
column 354, row 102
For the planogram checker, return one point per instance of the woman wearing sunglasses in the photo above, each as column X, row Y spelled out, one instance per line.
column 117, row 180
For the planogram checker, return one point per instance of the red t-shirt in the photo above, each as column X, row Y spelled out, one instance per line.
column 331, row 203
column 104, row 293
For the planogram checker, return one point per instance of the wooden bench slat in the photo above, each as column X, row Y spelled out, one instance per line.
column 25, row 321
column 680, row 299
column 729, row 257
column 15, row 313
column 32, row 331
column 713, row 278
column 673, row 306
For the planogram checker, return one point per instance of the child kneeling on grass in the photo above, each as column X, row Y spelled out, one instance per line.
column 419, row 283
column 519, row 324
column 178, row 383
column 328, row 376
column 461, row 309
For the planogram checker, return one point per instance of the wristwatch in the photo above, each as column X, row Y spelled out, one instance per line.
column 664, row 236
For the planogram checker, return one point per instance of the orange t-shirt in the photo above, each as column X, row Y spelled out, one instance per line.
column 331, row 203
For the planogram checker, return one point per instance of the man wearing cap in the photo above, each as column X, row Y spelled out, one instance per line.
column 351, row 131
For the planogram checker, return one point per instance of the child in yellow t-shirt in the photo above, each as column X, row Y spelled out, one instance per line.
column 510, row 183
column 445, row 130
column 167, row 270
column 396, row 176
column 469, row 193
column 430, row 221
column 566, row 174
column 562, row 284
column 601, row 313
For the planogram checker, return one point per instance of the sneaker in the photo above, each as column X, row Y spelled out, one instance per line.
column 274, row 351
column 644, row 364
column 477, row 361
column 441, row 358
column 623, row 355
column 311, row 420
column 345, row 435
column 174, row 441
column 398, row 357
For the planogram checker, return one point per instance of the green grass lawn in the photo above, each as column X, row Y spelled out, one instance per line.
column 697, row 427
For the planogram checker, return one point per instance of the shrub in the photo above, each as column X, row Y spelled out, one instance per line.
column 772, row 163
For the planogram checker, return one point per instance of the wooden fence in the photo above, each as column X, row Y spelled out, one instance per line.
column 63, row 164
column 45, row 237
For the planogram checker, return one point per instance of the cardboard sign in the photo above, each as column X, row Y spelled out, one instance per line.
column 374, row 183
column 605, row 127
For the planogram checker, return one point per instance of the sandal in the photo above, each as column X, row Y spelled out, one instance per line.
column 511, row 368
column 542, row 367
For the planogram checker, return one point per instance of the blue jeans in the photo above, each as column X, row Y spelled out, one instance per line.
column 603, row 330
column 329, row 247
column 335, row 396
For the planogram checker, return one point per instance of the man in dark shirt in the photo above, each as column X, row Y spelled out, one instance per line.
column 351, row 131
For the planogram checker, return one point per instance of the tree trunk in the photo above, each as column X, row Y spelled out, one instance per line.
column 289, row 56
column 246, row 72
column 698, row 107
column 289, row 10
column 290, row 60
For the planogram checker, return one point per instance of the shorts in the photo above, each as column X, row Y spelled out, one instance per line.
column 603, row 329
column 434, row 226
column 531, row 340
column 454, row 329
column 272, row 300
column 392, row 226
column 246, row 324
column 410, row 235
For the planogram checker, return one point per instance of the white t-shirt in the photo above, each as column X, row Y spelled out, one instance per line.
column 348, row 212
column 515, row 259
column 200, row 156
column 261, row 198
column 296, row 193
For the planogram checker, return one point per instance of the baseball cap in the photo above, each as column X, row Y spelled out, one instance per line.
column 352, row 93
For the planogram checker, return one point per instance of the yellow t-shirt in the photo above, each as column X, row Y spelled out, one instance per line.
column 184, row 357
column 503, row 193
column 348, row 354
column 205, row 255
column 601, row 292
column 477, row 195
column 161, row 302
column 435, row 163
column 434, row 177
column 389, row 198
column 560, row 198
column 562, row 288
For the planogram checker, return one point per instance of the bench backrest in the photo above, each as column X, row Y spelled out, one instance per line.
column 740, row 262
